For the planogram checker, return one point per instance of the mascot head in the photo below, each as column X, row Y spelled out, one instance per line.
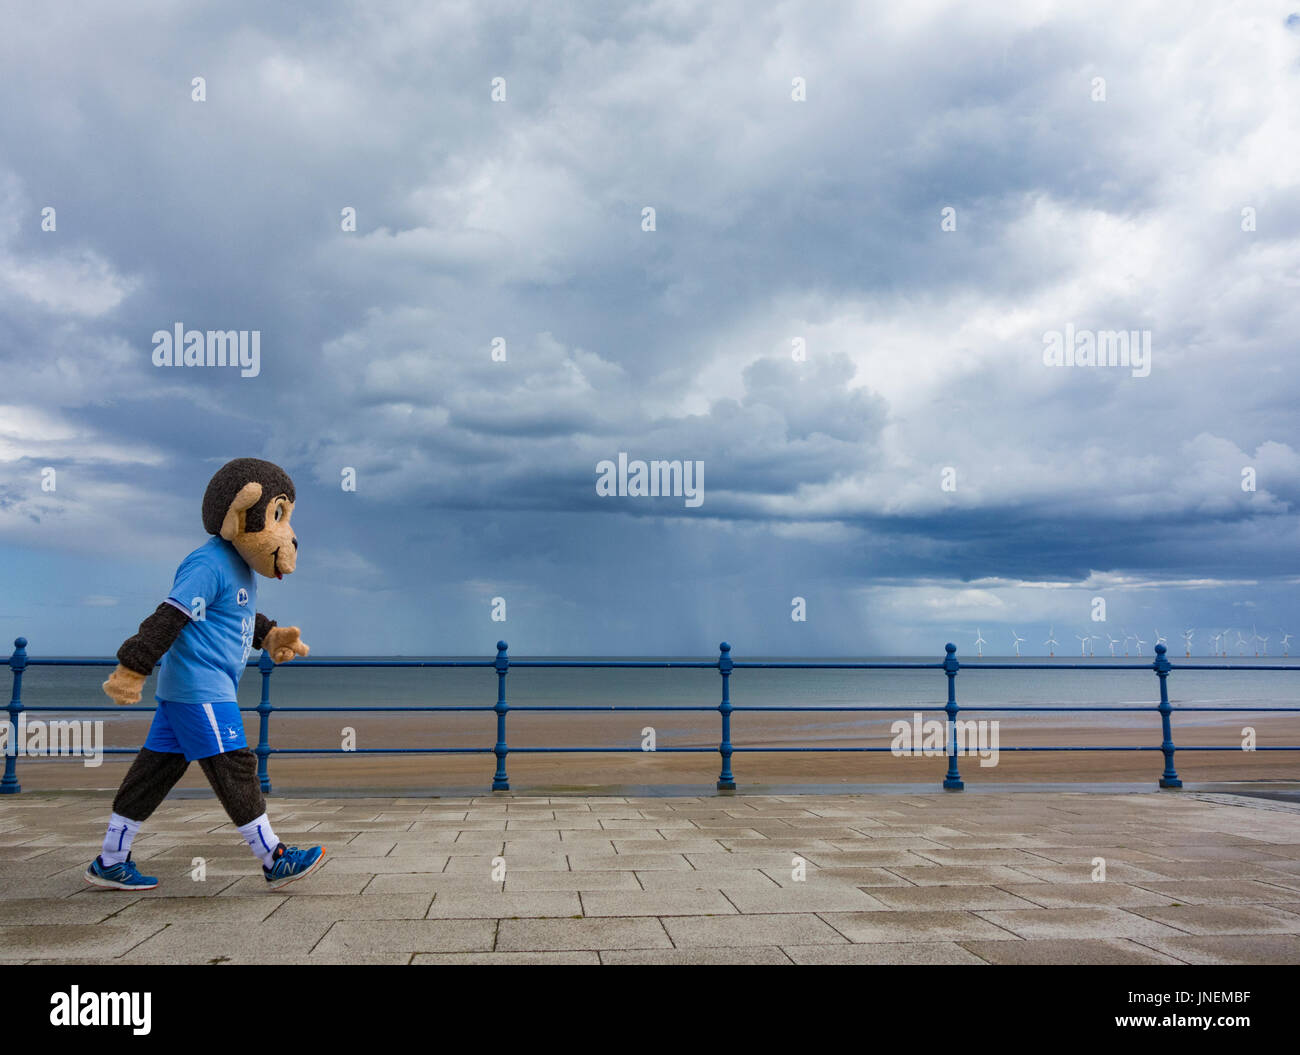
column 248, row 503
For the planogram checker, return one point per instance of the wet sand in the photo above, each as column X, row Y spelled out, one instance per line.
column 594, row 769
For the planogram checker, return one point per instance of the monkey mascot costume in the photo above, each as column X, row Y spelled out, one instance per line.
column 203, row 633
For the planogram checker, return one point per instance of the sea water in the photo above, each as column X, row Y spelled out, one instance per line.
column 302, row 684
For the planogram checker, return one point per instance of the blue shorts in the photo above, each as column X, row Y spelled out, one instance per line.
column 196, row 730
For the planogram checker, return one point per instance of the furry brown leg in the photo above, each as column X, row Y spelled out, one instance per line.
column 233, row 777
column 151, row 776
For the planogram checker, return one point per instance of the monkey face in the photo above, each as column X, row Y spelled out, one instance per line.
column 272, row 548
column 248, row 503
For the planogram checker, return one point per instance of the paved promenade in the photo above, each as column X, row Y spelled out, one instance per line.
column 983, row 877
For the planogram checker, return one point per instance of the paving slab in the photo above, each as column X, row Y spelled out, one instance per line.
column 896, row 926
column 574, row 934
column 506, row 958
column 809, row 896
column 411, row 936
column 759, row 955
column 779, row 929
column 1076, row 923
column 1067, row 951
column 939, row 898
column 1236, row 948
column 1225, row 919
column 520, row 882
column 458, row 904
column 896, row 878
column 926, row 952
column 328, row 908
column 657, row 903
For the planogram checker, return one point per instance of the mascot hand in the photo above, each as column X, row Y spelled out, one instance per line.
column 284, row 642
column 124, row 686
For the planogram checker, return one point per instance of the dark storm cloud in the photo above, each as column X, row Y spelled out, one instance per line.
column 775, row 220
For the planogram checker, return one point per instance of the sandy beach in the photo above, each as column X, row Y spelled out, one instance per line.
column 589, row 769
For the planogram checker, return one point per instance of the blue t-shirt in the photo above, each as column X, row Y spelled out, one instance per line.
column 219, row 591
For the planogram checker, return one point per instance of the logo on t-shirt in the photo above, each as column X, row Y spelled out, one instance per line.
column 241, row 598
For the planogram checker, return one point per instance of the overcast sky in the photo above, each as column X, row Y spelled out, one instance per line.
column 919, row 472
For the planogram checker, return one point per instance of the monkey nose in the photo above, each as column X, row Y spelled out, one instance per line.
column 295, row 542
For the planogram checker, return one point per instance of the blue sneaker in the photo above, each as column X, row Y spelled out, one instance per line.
column 290, row 863
column 123, row 876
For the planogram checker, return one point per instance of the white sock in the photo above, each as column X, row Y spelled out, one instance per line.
column 118, row 839
column 260, row 838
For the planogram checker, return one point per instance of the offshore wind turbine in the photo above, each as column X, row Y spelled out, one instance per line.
column 1018, row 640
column 1241, row 644
column 1254, row 635
column 1083, row 644
column 1226, row 632
column 1127, row 635
column 1216, row 638
column 1187, row 641
column 979, row 642
column 1051, row 641
column 1113, row 642
column 1160, row 640
column 1286, row 641
column 1139, row 642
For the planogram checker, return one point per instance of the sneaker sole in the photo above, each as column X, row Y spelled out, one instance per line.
column 99, row 882
column 280, row 884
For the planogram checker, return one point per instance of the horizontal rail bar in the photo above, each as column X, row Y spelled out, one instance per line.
column 380, row 751
column 611, row 708
column 726, row 666
column 707, row 664
column 706, row 750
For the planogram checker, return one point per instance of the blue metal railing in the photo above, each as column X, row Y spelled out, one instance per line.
column 725, row 665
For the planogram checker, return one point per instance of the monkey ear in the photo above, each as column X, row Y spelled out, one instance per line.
column 244, row 501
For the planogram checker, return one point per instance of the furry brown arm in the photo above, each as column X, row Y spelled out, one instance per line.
column 155, row 636
column 138, row 654
column 260, row 627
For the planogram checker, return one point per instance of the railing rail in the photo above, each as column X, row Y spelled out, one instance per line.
column 19, row 662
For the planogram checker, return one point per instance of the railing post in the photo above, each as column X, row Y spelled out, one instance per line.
column 500, row 781
column 265, row 664
column 952, row 781
column 17, row 663
column 1162, row 667
column 726, row 781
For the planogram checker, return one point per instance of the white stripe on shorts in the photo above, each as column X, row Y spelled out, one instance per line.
column 212, row 719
